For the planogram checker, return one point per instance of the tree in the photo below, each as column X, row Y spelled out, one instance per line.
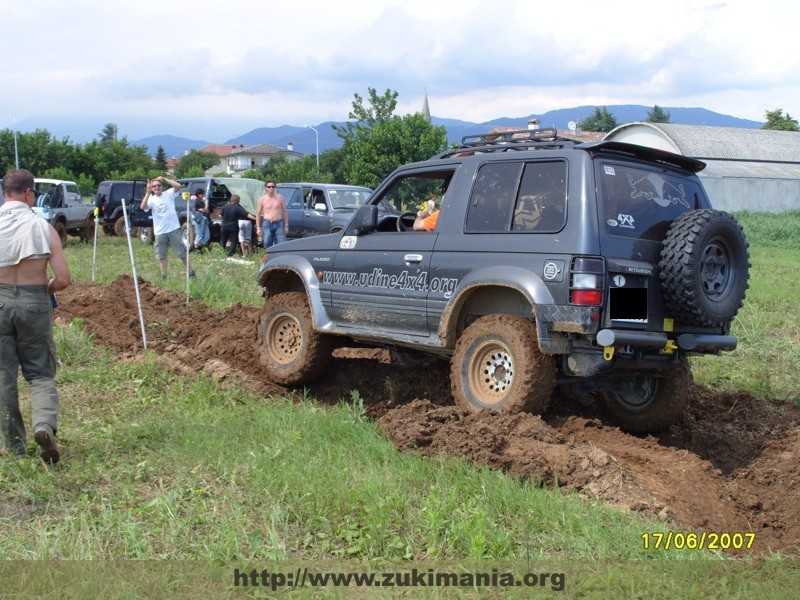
column 161, row 159
column 282, row 169
column 380, row 110
column 777, row 120
column 657, row 115
column 195, row 161
column 332, row 161
column 376, row 142
column 601, row 120
column 109, row 134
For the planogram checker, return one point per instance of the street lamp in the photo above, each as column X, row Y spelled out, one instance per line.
column 16, row 153
column 317, row 134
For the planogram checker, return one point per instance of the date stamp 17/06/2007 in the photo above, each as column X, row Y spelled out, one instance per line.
column 706, row 540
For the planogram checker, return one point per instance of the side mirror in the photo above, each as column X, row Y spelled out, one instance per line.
column 320, row 206
column 364, row 221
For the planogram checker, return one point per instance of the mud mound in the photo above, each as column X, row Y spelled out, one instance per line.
column 730, row 464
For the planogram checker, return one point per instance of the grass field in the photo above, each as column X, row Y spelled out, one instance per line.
column 177, row 469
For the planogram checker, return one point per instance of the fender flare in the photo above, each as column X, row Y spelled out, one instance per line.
column 522, row 280
column 300, row 267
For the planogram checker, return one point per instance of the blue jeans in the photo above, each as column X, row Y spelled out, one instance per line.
column 202, row 230
column 272, row 233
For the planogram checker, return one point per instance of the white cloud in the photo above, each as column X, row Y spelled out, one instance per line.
column 207, row 70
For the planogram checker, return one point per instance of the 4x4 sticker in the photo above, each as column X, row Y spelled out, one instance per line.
column 624, row 221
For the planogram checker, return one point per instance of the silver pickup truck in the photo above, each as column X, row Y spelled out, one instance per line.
column 61, row 204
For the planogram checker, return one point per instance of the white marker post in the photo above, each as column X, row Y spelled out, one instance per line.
column 135, row 276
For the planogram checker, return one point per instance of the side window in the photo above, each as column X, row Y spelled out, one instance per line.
column 317, row 198
column 292, row 197
column 120, row 191
column 491, row 204
column 411, row 194
column 73, row 194
column 542, row 200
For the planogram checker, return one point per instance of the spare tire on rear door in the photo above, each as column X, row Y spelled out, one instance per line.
column 704, row 268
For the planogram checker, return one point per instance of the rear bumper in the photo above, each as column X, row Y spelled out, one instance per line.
column 648, row 340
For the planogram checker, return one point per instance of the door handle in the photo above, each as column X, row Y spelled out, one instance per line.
column 413, row 258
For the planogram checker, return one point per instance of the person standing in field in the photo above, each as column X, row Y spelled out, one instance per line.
column 28, row 246
column 166, row 226
column 272, row 218
column 232, row 213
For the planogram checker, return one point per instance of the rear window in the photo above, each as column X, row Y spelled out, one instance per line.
column 641, row 203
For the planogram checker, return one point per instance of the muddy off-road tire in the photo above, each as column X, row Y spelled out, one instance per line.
column 497, row 366
column 187, row 234
column 649, row 404
column 704, row 268
column 292, row 352
column 61, row 230
column 145, row 235
column 119, row 227
column 87, row 231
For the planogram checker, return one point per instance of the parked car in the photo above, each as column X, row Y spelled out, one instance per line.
column 596, row 267
column 316, row 208
column 61, row 204
column 108, row 199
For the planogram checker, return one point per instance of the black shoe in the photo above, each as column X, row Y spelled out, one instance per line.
column 191, row 274
column 163, row 278
column 46, row 438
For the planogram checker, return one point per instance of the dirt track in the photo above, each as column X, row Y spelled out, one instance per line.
column 731, row 465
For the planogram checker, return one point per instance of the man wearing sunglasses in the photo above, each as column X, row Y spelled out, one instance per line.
column 166, row 226
column 272, row 218
column 28, row 246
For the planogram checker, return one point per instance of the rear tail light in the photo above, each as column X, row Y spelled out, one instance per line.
column 587, row 281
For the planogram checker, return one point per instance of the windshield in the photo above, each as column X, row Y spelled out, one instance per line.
column 641, row 203
column 348, row 199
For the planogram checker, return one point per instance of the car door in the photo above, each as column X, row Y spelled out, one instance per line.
column 381, row 279
column 74, row 208
column 295, row 206
column 315, row 218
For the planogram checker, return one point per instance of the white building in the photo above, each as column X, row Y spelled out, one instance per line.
column 753, row 169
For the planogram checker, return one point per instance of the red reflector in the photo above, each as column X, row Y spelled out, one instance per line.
column 587, row 297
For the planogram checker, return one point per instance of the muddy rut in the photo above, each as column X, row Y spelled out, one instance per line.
column 732, row 464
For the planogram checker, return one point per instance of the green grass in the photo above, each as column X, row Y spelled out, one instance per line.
column 220, row 282
column 162, row 467
column 175, row 469
column 767, row 360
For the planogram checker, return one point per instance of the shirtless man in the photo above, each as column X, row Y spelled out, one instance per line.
column 272, row 218
column 27, row 246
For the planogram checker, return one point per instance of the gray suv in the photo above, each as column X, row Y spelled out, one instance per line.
column 596, row 267
column 317, row 208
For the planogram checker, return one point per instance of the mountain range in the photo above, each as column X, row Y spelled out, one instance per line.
column 304, row 139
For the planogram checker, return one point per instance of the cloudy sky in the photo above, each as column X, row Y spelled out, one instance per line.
column 215, row 70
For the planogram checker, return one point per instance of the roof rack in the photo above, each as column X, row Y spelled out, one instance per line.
column 502, row 141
